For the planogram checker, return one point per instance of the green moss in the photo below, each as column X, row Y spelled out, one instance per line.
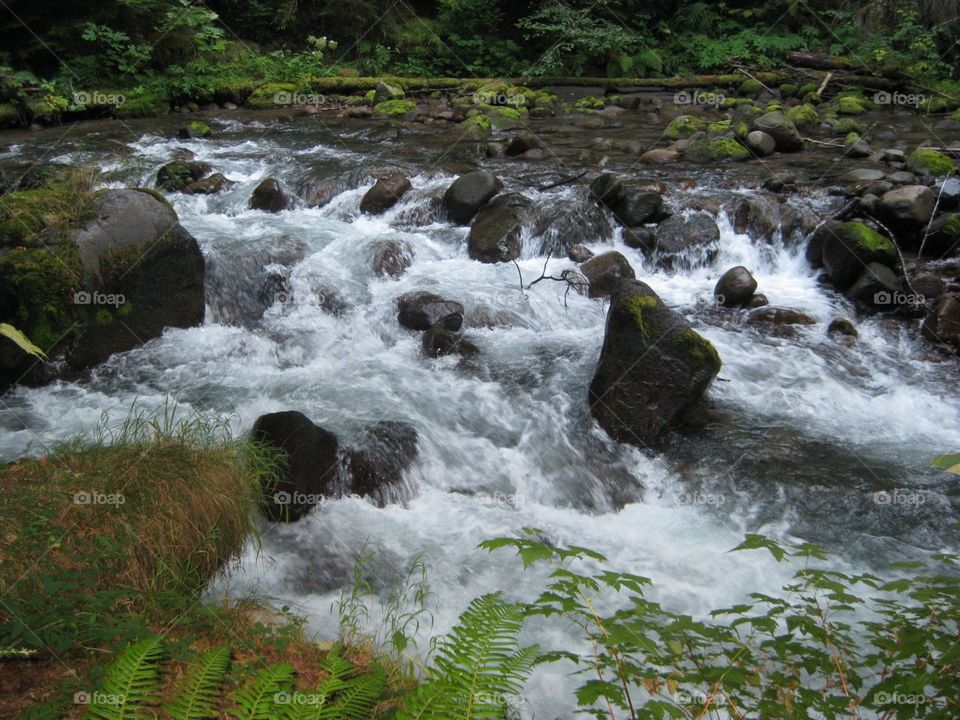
column 636, row 305
column 142, row 105
column 395, row 107
column 503, row 115
column 199, row 129
column 270, row 95
column 103, row 316
column 46, row 108
column 773, row 106
column 61, row 205
column 125, row 309
column 934, row 161
column 866, row 239
column 369, row 97
column 742, row 130
column 716, row 150
column 156, row 195
column 9, row 115
column 718, row 127
column 788, row 90
column 847, row 125
column 956, row 116
column 851, row 138
column 589, row 103
column 849, row 105
column 479, row 125
column 701, row 349
column 682, row 127
column 750, row 88
column 803, row 116
column 37, row 289
column 808, row 88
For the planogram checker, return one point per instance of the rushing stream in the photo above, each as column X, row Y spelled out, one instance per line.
column 804, row 431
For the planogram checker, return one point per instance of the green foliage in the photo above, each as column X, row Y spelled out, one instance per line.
column 199, row 689
column 131, row 683
column 478, row 668
column 256, row 699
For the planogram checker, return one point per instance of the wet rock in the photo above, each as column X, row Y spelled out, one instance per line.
column 560, row 226
column 948, row 193
column 678, row 236
column 779, row 316
column 654, row 368
column 469, row 193
column 640, row 238
column 632, row 205
column 134, row 248
column 784, row 133
column 604, row 272
column 941, row 238
column 495, row 233
column 760, row 143
column 928, row 285
column 857, row 149
column 496, row 149
column 19, row 367
column 377, row 460
column 943, row 325
column 176, row 175
column 842, row 328
column 660, row 156
column 391, row 258
column 910, row 205
column 849, row 247
column 893, row 155
column 269, row 197
column 761, row 216
column 863, row 175
column 757, row 300
column 421, row 310
column 385, row 193
column 210, row 185
column 580, row 253
column 310, row 471
column 875, row 287
column 735, row 287
column 438, row 342
column 385, row 91
column 902, row 177
column 522, row 143
column 195, row 129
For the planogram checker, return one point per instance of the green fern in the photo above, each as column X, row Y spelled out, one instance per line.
column 131, row 683
column 479, row 666
column 199, row 690
column 51, row 710
column 258, row 699
column 344, row 695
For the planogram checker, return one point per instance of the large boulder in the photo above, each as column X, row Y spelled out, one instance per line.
column 269, row 196
column 847, row 248
column 385, row 193
column 142, row 273
column 785, row 135
column 495, row 233
column 377, row 460
column 654, row 368
column 735, row 287
column 438, row 342
column 908, row 206
column 420, row 310
column 605, row 271
column 695, row 238
column 21, row 362
column 877, row 287
column 760, row 143
column 385, row 92
column 391, row 258
column 469, row 193
column 943, row 325
column 177, row 175
column 308, row 471
column 631, row 204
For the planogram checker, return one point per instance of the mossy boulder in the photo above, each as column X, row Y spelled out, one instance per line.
column 683, row 126
column 384, row 92
column 803, row 116
column 589, row 104
column 716, row 150
column 847, row 248
column 654, row 369
column 177, row 175
column 142, row 104
column 781, row 129
column 788, row 90
column 271, row 95
column 194, row 129
column 925, row 160
column 52, row 204
column 477, row 127
column 9, row 115
column 45, row 108
column 849, row 105
column 808, row 88
column 846, row 125
column 392, row 108
column 750, row 88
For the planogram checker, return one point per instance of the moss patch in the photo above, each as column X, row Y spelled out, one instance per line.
column 847, row 125
column 850, row 106
column 803, row 116
column 636, row 305
column 716, row 150
column 59, row 205
column 750, row 88
column 9, row 115
column 699, row 348
column 589, row 104
column 143, row 105
column 270, row 95
column 866, row 239
column 933, row 161
column 395, row 107
column 682, row 127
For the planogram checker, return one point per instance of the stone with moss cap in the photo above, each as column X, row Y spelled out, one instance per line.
column 654, row 367
column 925, row 160
column 803, row 116
column 716, row 150
column 392, row 108
column 750, row 88
column 847, row 248
column 683, row 126
column 849, row 105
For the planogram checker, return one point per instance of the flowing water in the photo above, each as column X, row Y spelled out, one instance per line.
column 804, row 432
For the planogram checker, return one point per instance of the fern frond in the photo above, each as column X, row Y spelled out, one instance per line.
column 357, row 700
column 479, row 666
column 50, row 710
column 199, row 690
column 263, row 697
column 131, row 683
column 344, row 695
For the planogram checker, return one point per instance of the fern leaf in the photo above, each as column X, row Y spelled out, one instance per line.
column 479, row 666
column 131, row 683
column 199, row 690
column 266, row 696
column 344, row 695
column 21, row 340
column 50, row 710
column 357, row 700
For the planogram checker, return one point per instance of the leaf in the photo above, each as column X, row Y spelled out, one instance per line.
column 199, row 690
column 21, row 340
column 950, row 463
column 757, row 542
column 131, row 683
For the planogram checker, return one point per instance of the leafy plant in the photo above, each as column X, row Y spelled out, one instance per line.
column 478, row 669
column 131, row 684
column 199, row 690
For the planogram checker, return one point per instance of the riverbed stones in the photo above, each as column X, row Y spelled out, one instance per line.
column 604, row 273
column 760, row 143
column 735, row 287
column 847, row 248
column 942, row 326
column 269, row 197
column 420, row 310
column 385, row 193
column 660, row 156
column 785, row 135
column 177, row 175
column 495, row 233
column 632, row 205
column 654, row 368
column 310, row 471
column 908, row 206
column 875, row 287
column 377, row 460
column 439, row 342
column 469, row 193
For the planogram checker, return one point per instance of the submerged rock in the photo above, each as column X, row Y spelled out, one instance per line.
column 391, row 258
column 309, row 472
column 377, row 460
column 269, row 197
column 385, row 193
column 654, row 368
column 420, row 310
column 177, row 175
column 735, row 287
column 495, row 233
column 469, row 193
column 438, row 342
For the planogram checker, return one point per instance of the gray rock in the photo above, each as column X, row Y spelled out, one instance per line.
column 495, row 233
column 469, row 193
column 385, row 193
column 421, row 310
column 760, row 143
column 604, row 272
column 735, row 287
